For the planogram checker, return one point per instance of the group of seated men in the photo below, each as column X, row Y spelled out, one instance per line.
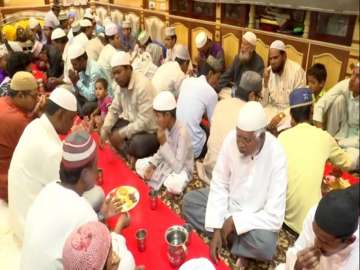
column 261, row 147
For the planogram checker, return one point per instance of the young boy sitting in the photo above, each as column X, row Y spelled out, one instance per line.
column 316, row 78
column 104, row 101
column 172, row 165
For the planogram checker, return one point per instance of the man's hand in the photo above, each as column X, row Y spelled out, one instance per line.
column 275, row 121
column 318, row 124
column 266, row 76
column 161, row 136
column 122, row 223
column 149, row 172
column 104, row 136
column 215, row 245
column 227, row 229
column 116, row 139
column 308, row 259
column 111, row 206
column 74, row 76
column 39, row 107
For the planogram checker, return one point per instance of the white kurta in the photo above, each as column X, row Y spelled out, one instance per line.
column 280, row 86
column 35, row 162
column 168, row 77
column 105, row 58
column 55, row 213
column 93, row 48
column 127, row 261
column 346, row 259
column 251, row 190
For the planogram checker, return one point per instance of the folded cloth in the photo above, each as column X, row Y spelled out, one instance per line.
column 176, row 182
column 197, row 264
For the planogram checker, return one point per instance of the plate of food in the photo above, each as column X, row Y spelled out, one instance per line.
column 129, row 195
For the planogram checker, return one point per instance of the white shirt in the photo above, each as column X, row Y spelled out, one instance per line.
column 55, row 213
column 196, row 97
column 35, row 162
column 118, row 243
column 280, row 86
column 105, row 58
column 346, row 259
column 168, row 77
column 93, row 48
column 251, row 190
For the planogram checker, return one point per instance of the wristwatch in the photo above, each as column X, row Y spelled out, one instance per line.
column 101, row 217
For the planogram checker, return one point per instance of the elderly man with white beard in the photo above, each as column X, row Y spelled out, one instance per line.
column 247, row 59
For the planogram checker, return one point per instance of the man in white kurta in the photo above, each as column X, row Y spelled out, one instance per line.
column 339, row 109
column 245, row 204
column 36, row 159
column 280, row 79
column 169, row 76
column 329, row 239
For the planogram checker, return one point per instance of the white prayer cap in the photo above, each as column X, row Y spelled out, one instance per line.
column 252, row 117
column 120, row 58
column 197, row 264
column 143, row 37
column 126, row 24
column 201, row 39
column 85, row 23
column 181, row 52
column 279, row 45
column 111, row 29
column 164, row 101
column 33, row 22
column 75, row 50
column 75, row 26
column 250, row 37
column 57, row 33
column 36, row 50
column 64, row 98
column 170, row 31
column 63, row 16
column 88, row 15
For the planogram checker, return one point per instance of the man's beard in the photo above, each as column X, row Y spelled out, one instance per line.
column 245, row 57
column 279, row 69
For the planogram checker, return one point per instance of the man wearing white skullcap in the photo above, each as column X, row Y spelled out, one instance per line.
column 206, row 48
column 130, row 123
column 197, row 97
column 280, row 79
column 54, row 52
column 173, row 163
column 245, row 204
column 170, row 41
column 83, row 77
column 36, row 30
column 247, row 59
column 128, row 41
column 51, row 17
column 40, row 139
column 112, row 36
column 170, row 75
column 339, row 109
column 65, row 194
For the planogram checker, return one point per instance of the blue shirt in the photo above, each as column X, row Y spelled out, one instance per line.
column 196, row 98
column 87, row 80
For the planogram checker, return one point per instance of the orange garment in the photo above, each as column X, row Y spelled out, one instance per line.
column 12, row 124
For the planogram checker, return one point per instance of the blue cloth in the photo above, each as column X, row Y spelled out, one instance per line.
column 127, row 43
column 87, row 80
column 300, row 97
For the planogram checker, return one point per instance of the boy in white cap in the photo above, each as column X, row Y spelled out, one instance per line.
column 60, row 206
column 280, row 78
column 338, row 112
column 130, row 123
column 247, row 59
column 55, row 51
column 172, row 164
column 112, row 36
column 198, row 97
column 245, row 204
column 170, row 42
column 83, row 78
column 16, row 112
column 128, row 41
column 206, row 48
column 170, row 75
column 36, row 30
column 37, row 156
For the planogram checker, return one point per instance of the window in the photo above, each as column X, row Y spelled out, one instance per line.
column 235, row 14
column 193, row 9
column 334, row 28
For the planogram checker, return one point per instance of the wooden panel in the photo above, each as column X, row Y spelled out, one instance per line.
column 155, row 27
column 262, row 50
column 230, row 44
column 132, row 3
column 31, row 3
column 182, row 33
column 294, row 54
column 194, row 32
